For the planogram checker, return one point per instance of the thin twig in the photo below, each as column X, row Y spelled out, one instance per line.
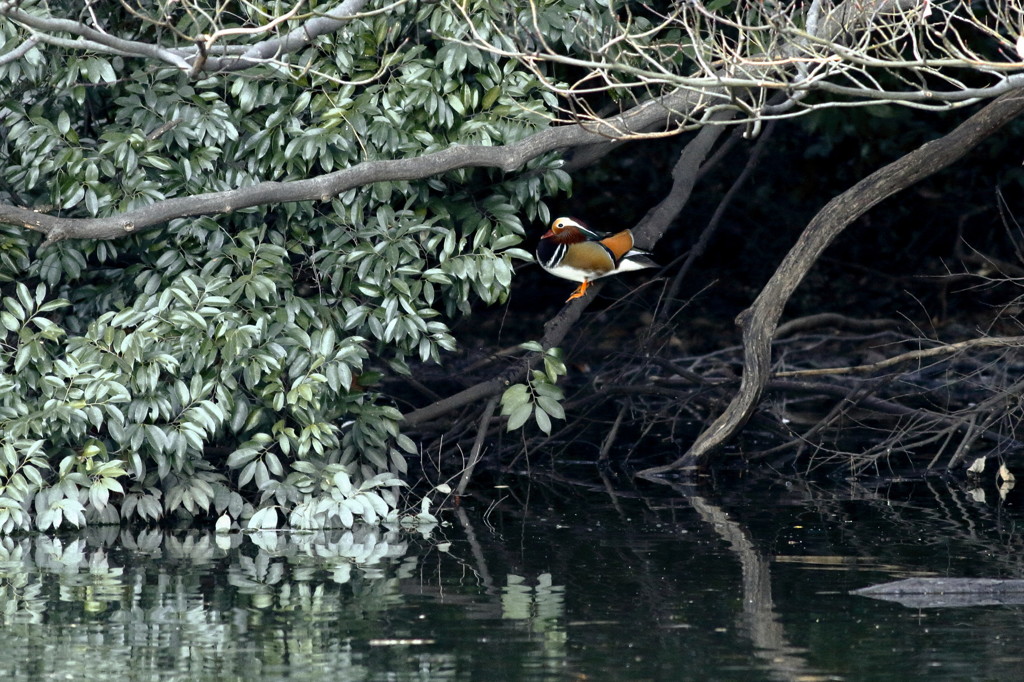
column 478, row 445
column 945, row 349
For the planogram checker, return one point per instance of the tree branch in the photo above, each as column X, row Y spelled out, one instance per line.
column 293, row 41
column 554, row 331
column 684, row 175
column 189, row 58
column 19, row 51
column 944, row 349
column 760, row 320
column 90, row 38
column 322, row 188
column 700, row 246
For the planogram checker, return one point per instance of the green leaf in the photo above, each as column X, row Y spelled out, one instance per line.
column 551, row 406
column 542, row 387
column 264, row 519
column 15, row 308
column 518, row 416
column 543, row 421
column 513, row 397
column 490, row 97
column 406, row 444
column 9, row 321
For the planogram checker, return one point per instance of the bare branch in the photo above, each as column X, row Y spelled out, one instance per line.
column 207, row 56
column 760, row 320
column 851, row 50
column 944, row 349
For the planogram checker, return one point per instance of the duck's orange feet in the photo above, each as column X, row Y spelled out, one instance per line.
column 580, row 290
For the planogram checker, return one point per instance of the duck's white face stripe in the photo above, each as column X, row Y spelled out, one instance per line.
column 556, row 256
column 553, row 266
column 573, row 274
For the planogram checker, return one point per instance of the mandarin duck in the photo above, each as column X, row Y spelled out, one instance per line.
column 573, row 251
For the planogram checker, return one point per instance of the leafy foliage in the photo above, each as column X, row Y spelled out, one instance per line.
column 223, row 365
column 539, row 397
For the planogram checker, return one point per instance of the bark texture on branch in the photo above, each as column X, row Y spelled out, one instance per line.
column 760, row 320
column 323, row 188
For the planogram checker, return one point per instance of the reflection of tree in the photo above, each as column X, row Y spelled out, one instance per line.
column 642, row 587
column 653, row 575
column 182, row 604
column 760, row 619
column 537, row 587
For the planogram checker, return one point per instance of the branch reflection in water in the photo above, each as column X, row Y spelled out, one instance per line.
column 742, row 579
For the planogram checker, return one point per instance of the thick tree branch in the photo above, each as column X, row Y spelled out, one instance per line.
column 322, row 188
column 89, row 38
column 760, row 320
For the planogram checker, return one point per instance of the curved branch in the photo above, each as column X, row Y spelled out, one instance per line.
column 91, row 38
column 760, row 320
column 322, row 188
column 293, row 41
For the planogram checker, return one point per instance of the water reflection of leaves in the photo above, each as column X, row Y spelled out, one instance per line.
column 20, row 600
column 111, row 569
column 543, row 605
column 255, row 575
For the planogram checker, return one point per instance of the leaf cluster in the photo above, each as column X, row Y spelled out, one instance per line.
column 539, row 397
column 228, row 364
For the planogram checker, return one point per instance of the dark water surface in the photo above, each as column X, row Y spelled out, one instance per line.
column 737, row 581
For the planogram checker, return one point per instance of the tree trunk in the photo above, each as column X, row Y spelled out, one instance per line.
column 760, row 320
